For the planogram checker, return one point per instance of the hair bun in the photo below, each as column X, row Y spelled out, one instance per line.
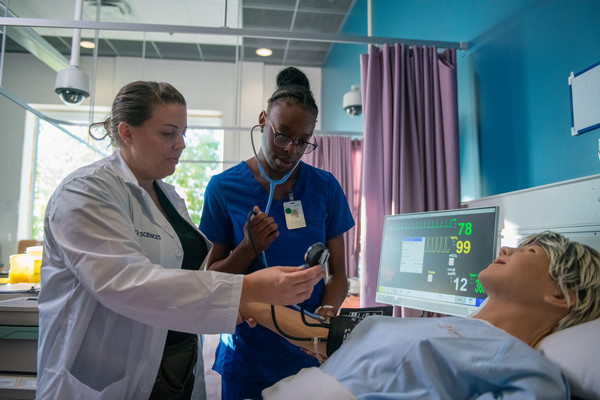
column 292, row 76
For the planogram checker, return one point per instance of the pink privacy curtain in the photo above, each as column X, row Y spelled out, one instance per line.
column 342, row 156
column 410, row 149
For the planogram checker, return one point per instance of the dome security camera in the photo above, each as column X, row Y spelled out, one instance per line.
column 352, row 102
column 72, row 86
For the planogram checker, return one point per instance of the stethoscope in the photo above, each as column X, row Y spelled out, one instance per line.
column 272, row 185
column 272, row 182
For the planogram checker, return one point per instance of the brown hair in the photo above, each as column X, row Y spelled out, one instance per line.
column 134, row 104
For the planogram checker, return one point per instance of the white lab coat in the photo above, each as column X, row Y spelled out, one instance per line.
column 112, row 286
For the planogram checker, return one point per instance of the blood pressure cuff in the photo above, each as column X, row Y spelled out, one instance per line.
column 341, row 325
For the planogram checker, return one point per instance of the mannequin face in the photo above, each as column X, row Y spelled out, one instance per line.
column 152, row 150
column 520, row 275
column 291, row 120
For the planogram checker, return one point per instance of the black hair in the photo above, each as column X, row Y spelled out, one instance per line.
column 134, row 104
column 292, row 76
column 293, row 86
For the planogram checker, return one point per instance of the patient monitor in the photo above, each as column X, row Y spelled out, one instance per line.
column 430, row 260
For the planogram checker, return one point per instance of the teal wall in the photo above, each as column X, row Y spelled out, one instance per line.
column 514, row 108
column 342, row 70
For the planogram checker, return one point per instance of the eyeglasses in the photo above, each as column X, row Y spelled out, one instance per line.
column 281, row 140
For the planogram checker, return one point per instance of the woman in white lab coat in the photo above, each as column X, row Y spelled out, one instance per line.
column 123, row 295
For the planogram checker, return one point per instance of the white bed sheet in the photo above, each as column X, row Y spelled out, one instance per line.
column 309, row 383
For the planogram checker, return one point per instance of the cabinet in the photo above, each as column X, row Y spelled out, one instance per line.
column 18, row 346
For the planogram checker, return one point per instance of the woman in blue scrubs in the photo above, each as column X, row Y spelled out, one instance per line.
column 295, row 205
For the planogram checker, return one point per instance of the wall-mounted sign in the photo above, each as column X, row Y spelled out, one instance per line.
column 585, row 99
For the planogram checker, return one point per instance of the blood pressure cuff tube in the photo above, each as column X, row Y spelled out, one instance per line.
column 341, row 326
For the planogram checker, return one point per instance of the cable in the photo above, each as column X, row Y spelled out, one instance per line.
column 303, row 316
column 282, row 333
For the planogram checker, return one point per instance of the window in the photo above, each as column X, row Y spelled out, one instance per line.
column 201, row 159
column 54, row 153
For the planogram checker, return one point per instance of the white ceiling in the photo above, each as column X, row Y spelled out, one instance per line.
column 298, row 16
column 210, row 13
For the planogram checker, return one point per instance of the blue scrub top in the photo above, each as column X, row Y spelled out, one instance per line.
column 257, row 354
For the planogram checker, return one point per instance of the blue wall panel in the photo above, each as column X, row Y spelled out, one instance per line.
column 341, row 71
column 514, row 111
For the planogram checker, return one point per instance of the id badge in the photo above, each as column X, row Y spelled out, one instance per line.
column 294, row 216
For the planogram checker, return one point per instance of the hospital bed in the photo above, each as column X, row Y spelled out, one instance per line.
column 574, row 349
column 571, row 208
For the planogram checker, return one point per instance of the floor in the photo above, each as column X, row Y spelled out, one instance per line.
column 213, row 379
column 351, row 302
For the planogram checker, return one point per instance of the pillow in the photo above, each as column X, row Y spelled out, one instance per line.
column 577, row 351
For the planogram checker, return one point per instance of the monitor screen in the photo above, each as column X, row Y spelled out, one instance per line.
column 430, row 260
